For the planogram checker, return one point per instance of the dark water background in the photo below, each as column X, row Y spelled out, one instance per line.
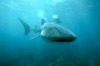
column 80, row 16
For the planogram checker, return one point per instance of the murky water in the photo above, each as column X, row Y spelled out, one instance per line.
column 80, row 16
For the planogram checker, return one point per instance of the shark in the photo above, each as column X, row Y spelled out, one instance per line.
column 52, row 31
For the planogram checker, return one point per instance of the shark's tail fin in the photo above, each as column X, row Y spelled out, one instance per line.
column 27, row 28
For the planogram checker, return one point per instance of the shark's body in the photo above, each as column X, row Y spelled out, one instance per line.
column 56, row 32
column 52, row 31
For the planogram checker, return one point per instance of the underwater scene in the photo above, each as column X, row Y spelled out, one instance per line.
column 49, row 32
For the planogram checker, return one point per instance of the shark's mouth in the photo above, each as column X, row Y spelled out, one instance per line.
column 57, row 39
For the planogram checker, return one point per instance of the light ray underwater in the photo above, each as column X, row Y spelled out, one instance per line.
column 49, row 32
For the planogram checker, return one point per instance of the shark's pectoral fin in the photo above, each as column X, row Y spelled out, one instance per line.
column 35, row 37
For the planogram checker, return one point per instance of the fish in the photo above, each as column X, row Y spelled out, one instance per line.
column 52, row 31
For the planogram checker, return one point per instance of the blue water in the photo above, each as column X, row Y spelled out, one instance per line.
column 80, row 16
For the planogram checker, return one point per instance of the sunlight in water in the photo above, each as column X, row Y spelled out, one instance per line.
column 41, row 14
column 56, row 1
column 54, row 16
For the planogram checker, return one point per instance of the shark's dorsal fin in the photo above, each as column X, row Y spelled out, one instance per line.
column 43, row 21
